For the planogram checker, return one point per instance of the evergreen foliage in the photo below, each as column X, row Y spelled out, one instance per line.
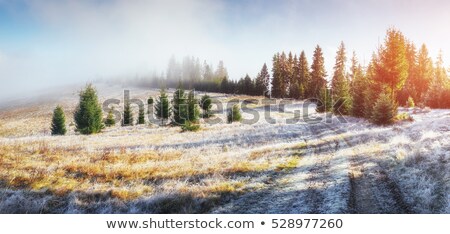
column 110, row 121
column 205, row 104
column 358, row 88
column 180, row 108
column 193, row 108
column 324, row 103
column 392, row 68
column 189, row 126
column 141, row 117
column 88, row 114
column 234, row 115
column 318, row 74
column 128, row 118
column 339, row 84
column 384, row 111
column 58, row 126
column 162, row 106
column 262, row 82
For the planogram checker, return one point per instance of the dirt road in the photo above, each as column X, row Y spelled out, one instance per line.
column 332, row 177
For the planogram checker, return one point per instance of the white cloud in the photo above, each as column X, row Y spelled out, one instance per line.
column 82, row 40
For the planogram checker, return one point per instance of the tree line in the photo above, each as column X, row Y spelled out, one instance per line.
column 397, row 74
column 183, row 110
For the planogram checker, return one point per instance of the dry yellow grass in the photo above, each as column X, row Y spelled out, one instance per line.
column 129, row 163
column 38, row 166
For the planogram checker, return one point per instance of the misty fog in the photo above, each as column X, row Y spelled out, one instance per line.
column 48, row 44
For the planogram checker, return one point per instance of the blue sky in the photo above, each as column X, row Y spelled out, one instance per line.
column 56, row 42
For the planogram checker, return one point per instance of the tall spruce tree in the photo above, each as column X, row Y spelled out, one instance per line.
column 179, row 108
column 294, row 84
column 58, row 122
column 205, row 104
column 318, row 73
column 358, row 87
column 409, row 89
column 277, row 81
column 224, row 86
column 284, row 65
column 439, row 87
column 88, row 113
column 372, row 89
column 262, row 82
column 162, row 108
column 267, row 81
column 339, row 84
column 248, row 86
column 303, row 75
column 289, row 77
column 193, row 108
column 141, row 117
column 128, row 118
column 392, row 68
column 424, row 74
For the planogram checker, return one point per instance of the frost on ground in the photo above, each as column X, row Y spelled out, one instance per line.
column 307, row 167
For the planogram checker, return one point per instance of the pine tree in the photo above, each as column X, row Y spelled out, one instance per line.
column 325, row 103
column 289, row 73
column 248, row 86
column 277, row 81
column 262, row 82
column 266, row 78
column 241, row 86
column 392, row 69
column 180, row 109
column 409, row 88
column 295, row 90
column 141, row 117
column 193, row 109
column 110, row 121
column 221, row 71
column 353, row 68
column 318, row 73
column 207, row 72
column 205, row 104
column 339, row 84
column 424, row 74
column 88, row 114
column 384, row 110
column 127, row 114
column 358, row 87
column 58, row 122
column 303, row 75
column 439, row 87
column 162, row 106
column 281, row 71
column 284, row 65
column 224, row 86
column 372, row 89
column 234, row 115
